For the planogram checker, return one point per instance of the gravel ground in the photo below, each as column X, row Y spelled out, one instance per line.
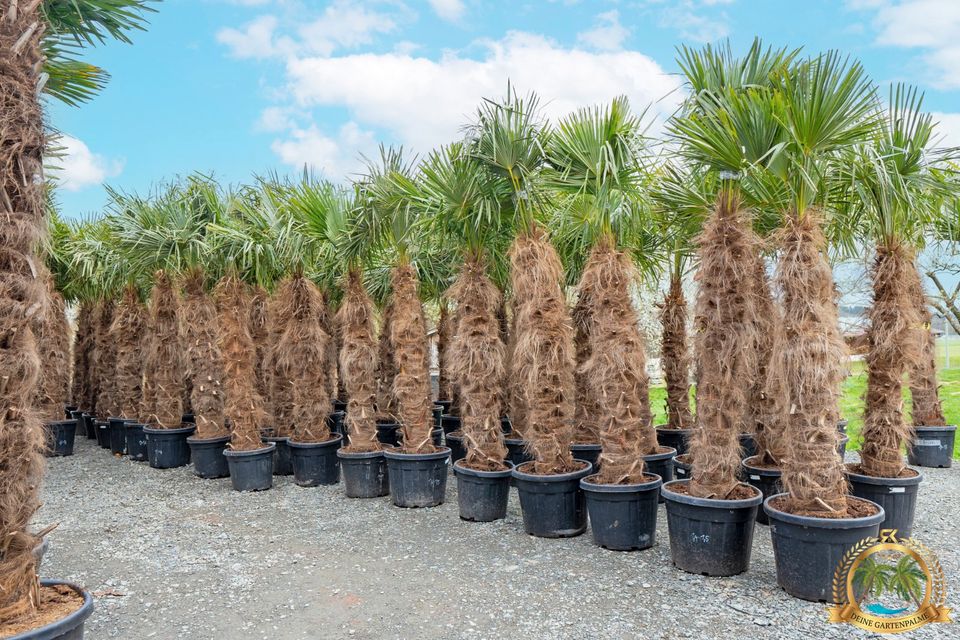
column 168, row 555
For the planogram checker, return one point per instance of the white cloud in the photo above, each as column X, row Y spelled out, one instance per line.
column 450, row 10
column 948, row 128
column 423, row 102
column 693, row 22
column 933, row 25
column 335, row 156
column 255, row 39
column 276, row 119
column 607, row 33
column 344, row 24
column 77, row 167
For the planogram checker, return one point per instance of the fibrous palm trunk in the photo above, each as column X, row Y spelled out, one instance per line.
column 281, row 389
column 587, row 411
column 164, row 360
column 53, row 342
column 325, row 317
column 82, row 346
column 387, row 369
column 725, row 324
column 616, row 371
column 129, row 323
column 302, row 345
column 244, row 406
column 543, row 353
column 477, row 356
column 514, row 395
column 21, row 297
column 204, row 360
column 358, row 364
column 767, row 398
column 259, row 333
column 926, row 409
column 444, row 340
column 411, row 384
column 894, row 347
column 675, row 357
column 812, row 360
column 104, row 361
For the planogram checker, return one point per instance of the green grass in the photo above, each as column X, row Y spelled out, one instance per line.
column 851, row 404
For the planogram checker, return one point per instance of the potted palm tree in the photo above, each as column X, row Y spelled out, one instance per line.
column 507, row 139
column 418, row 468
column 897, row 196
column 594, row 168
column 458, row 197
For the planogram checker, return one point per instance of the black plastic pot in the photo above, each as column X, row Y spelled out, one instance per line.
column 437, row 436
column 676, row 438
column 842, row 446
column 516, row 454
column 103, row 433
column 553, row 506
column 446, row 404
column 388, row 433
column 588, row 452
column 842, row 427
column 418, row 479
column 282, row 465
column 682, row 467
column 437, row 415
column 89, row 426
column 748, row 446
column 767, row 480
column 60, row 437
column 897, row 496
column 168, row 448
column 335, row 422
column 315, row 463
column 710, row 537
column 207, row 455
column 482, row 495
column 807, row 551
column 457, row 450
column 118, row 435
column 251, row 470
column 932, row 446
column 188, row 418
column 505, row 425
column 661, row 464
column 364, row 474
column 339, row 405
column 450, row 423
column 67, row 628
column 68, row 411
column 136, row 441
column 623, row 517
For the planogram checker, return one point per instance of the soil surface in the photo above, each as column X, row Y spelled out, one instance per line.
column 168, row 555
column 56, row 603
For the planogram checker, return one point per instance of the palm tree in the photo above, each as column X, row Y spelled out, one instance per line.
column 897, row 199
column 595, row 171
column 870, row 579
column 507, row 139
column 907, row 580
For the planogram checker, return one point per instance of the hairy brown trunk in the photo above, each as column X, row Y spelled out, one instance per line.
column 813, row 359
column 126, row 333
column 204, row 360
column 514, row 395
column 675, row 357
column 281, row 388
column 411, row 384
column 895, row 335
column 543, row 354
column 587, row 411
column 325, row 317
column 925, row 407
column 243, row 406
column 301, row 347
column 53, row 343
column 387, row 369
column 725, row 323
column 164, row 360
column 444, row 340
column 21, row 298
column 476, row 356
column 260, row 335
column 767, row 398
column 104, row 361
column 358, row 364
column 82, row 346
column 616, row 370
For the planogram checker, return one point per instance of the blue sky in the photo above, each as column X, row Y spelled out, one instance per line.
column 238, row 87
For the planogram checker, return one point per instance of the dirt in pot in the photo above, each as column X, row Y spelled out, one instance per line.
column 906, row 472
column 740, row 492
column 856, row 508
column 56, row 602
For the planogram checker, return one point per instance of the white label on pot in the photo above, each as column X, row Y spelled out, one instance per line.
column 898, row 489
column 754, row 477
column 926, row 443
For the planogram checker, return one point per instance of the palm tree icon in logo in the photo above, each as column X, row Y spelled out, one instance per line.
column 887, row 585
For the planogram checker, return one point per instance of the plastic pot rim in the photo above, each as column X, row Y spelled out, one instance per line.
column 395, row 454
column 654, row 457
column 596, row 487
column 886, row 482
column 518, row 441
column 663, row 427
column 945, row 428
column 824, row 523
column 359, row 455
column 586, row 446
column 230, row 453
column 63, row 625
column 175, row 430
column 714, row 503
column 460, row 470
column 333, row 440
column 216, row 440
column 59, row 423
column 761, row 471
column 553, row 477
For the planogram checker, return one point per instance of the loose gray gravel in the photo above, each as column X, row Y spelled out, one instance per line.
column 168, row 555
